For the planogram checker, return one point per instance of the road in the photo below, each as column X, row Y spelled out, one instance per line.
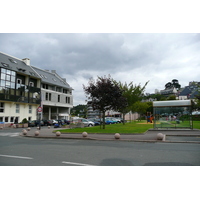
column 21, row 151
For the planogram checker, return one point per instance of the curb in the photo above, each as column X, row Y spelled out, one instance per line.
column 101, row 139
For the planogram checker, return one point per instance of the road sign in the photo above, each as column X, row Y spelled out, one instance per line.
column 39, row 109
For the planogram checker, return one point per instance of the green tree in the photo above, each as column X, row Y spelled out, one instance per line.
column 141, row 108
column 104, row 94
column 133, row 94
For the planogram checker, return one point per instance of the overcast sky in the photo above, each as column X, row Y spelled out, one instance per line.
column 157, row 58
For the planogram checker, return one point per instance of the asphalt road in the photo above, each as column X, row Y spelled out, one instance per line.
column 22, row 151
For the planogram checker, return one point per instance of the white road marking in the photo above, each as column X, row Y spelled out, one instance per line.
column 9, row 134
column 9, row 156
column 73, row 163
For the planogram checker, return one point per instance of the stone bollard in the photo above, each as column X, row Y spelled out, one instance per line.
column 117, row 136
column 58, row 133
column 24, row 131
column 84, row 134
column 160, row 136
column 49, row 127
column 38, row 128
column 37, row 133
column 1, row 127
column 28, row 129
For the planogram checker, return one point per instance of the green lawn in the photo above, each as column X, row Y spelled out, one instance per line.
column 128, row 128
column 132, row 127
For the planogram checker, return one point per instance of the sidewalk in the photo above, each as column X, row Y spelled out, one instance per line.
column 149, row 136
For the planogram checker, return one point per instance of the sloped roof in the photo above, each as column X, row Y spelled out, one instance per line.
column 20, row 66
column 186, row 91
column 51, row 78
column 15, row 64
column 193, row 95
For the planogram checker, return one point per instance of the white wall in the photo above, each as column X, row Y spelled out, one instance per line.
column 10, row 111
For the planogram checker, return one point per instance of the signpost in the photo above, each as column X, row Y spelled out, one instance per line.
column 39, row 110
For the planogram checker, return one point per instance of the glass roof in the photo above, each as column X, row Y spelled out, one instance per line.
column 171, row 103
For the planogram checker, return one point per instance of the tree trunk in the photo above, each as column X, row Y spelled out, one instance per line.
column 103, row 116
column 123, row 114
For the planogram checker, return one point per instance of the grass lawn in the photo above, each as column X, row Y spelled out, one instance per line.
column 196, row 124
column 128, row 128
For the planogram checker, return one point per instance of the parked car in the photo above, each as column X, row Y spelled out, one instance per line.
column 48, row 122
column 86, row 122
column 65, row 121
column 39, row 122
column 196, row 113
column 31, row 123
column 35, row 123
column 108, row 121
column 96, row 121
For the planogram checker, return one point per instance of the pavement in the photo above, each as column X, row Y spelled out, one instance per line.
column 172, row 135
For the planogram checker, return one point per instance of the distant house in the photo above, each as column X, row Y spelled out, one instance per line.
column 189, row 92
column 168, row 92
column 24, row 88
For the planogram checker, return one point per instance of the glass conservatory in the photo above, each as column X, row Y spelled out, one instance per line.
column 172, row 114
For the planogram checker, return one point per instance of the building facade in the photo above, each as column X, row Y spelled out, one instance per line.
column 56, row 95
column 24, row 88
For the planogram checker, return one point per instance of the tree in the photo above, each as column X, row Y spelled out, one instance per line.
column 104, row 94
column 133, row 94
column 141, row 107
column 172, row 84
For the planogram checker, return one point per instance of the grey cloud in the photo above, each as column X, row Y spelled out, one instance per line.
column 87, row 55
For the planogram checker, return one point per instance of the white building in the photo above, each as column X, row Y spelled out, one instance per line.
column 23, row 88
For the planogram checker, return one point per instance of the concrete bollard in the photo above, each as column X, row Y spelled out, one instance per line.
column 58, row 133
column 28, row 129
column 24, row 131
column 160, row 136
column 49, row 127
column 117, row 136
column 37, row 133
column 84, row 134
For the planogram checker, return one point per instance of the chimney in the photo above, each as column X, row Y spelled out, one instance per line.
column 27, row 61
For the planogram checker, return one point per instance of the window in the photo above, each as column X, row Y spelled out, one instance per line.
column 58, row 98
column 1, row 107
column 12, row 61
column 45, row 86
column 1, row 119
column 17, row 108
column 6, row 119
column 29, row 118
column 19, row 81
column 30, row 109
column 67, row 99
column 49, row 96
column 11, row 119
column 31, row 84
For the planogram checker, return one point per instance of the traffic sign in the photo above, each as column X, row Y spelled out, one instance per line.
column 39, row 109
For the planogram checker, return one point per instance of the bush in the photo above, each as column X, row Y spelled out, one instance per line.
column 24, row 121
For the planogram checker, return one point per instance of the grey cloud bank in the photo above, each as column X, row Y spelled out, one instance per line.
column 135, row 57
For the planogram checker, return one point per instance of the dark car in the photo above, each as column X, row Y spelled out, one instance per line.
column 48, row 122
column 65, row 121
column 38, row 122
column 31, row 123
